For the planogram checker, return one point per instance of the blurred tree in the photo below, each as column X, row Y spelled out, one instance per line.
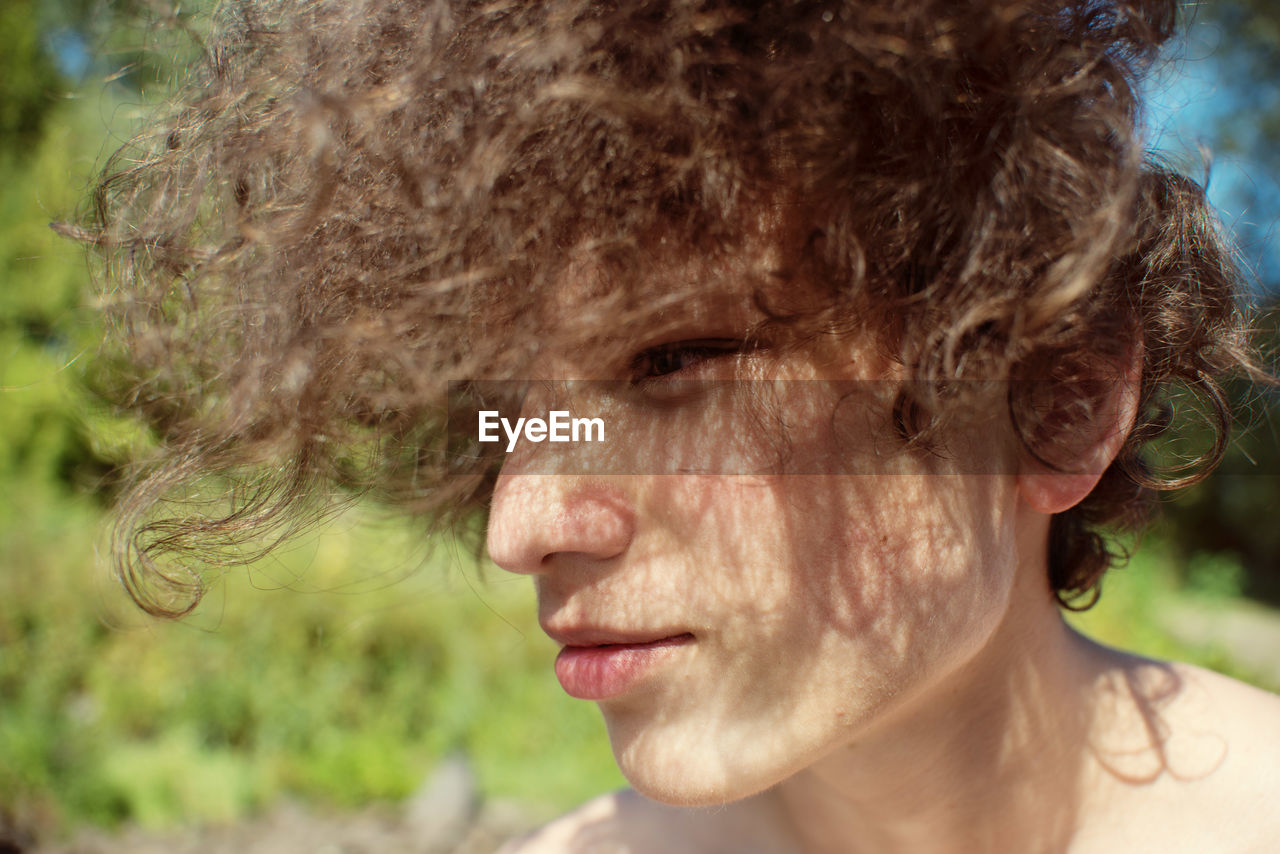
column 1232, row 111
column 50, row 425
column 30, row 81
column 1240, row 121
column 52, row 45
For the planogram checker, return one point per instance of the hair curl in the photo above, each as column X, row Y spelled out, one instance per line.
column 349, row 202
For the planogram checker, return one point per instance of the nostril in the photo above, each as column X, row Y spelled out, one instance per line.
column 593, row 523
column 533, row 518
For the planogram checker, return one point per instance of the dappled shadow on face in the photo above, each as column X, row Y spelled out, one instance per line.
column 824, row 608
column 817, row 601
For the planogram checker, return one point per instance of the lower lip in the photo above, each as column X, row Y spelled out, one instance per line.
column 601, row 672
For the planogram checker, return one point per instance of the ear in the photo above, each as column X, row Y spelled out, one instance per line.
column 1082, row 423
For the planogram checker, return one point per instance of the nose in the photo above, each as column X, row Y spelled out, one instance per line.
column 535, row 519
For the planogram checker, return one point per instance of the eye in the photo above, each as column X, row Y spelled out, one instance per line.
column 669, row 359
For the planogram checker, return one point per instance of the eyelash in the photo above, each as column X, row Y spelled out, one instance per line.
column 656, row 362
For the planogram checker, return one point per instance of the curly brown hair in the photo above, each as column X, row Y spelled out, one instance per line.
column 347, row 204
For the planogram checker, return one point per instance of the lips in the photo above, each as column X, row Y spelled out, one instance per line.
column 599, row 664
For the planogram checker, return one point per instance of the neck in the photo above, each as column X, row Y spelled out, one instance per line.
column 992, row 758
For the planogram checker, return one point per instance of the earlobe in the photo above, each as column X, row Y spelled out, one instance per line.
column 1050, row 492
column 1083, row 449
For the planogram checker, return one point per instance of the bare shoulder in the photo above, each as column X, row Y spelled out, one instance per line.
column 627, row 823
column 1200, row 764
column 592, row 823
column 1237, row 725
column 1246, row 722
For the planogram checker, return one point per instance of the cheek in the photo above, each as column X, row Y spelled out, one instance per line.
column 879, row 576
column 818, row 602
column 908, row 562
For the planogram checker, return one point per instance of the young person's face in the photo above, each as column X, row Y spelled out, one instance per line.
column 735, row 627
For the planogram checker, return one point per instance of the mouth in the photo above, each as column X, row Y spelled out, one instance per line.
column 600, row 665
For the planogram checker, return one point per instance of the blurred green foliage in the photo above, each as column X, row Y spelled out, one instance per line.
column 29, row 77
column 342, row 694
column 337, row 671
column 1141, row 600
column 46, row 438
column 1231, row 515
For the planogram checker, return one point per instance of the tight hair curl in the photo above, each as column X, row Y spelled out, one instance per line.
column 349, row 202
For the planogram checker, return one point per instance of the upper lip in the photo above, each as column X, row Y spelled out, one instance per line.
column 587, row 635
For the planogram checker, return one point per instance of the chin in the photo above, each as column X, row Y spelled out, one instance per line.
column 683, row 791
column 684, row 772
